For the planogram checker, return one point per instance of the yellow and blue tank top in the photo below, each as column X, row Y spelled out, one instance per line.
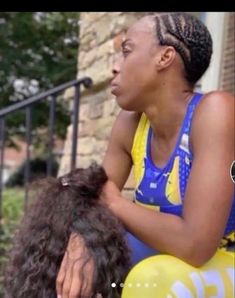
column 163, row 189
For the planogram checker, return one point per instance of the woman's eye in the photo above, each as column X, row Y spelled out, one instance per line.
column 125, row 52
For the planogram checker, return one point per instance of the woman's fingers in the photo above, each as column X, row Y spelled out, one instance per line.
column 67, row 280
column 76, row 272
column 88, row 277
column 75, row 289
column 82, row 279
column 75, row 277
column 61, row 275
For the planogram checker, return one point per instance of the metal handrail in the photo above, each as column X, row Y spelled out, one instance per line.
column 86, row 82
column 27, row 105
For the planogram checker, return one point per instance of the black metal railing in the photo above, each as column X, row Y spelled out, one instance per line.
column 27, row 106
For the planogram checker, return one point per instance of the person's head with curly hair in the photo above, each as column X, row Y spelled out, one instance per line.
column 66, row 205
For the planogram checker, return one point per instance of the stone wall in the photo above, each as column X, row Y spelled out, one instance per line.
column 227, row 79
column 100, row 37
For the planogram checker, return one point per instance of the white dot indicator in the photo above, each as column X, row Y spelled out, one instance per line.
column 129, row 285
column 154, row 285
column 138, row 285
column 113, row 285
column 121, row 285
column 146, row 284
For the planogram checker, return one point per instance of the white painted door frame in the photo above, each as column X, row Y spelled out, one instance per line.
column 215, row 22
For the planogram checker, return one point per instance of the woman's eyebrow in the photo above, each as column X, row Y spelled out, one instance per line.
column 126, row 41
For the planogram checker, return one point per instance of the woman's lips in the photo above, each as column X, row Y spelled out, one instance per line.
column 114, row 88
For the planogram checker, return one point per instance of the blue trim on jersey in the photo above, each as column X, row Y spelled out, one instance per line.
column 152, row 188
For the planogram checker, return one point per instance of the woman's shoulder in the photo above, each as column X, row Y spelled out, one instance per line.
column 214, row 101
column 213, row 105
column 217, row 98
column 215, row 112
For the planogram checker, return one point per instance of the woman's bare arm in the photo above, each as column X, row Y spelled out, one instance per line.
column 117, row 161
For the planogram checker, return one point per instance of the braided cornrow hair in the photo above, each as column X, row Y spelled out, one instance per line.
column 190, row 38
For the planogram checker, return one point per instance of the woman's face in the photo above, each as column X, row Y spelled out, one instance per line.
column 134, row 73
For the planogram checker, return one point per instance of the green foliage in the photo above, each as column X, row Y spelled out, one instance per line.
column 13, row 203
column 38, row 169
column 40, row 49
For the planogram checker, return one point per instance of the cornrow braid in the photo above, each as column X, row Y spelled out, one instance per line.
column 190, row 38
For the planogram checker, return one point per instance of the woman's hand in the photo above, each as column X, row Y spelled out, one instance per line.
column 68, row 283
column 110, row 194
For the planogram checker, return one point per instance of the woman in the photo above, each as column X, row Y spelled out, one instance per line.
column 180, row 144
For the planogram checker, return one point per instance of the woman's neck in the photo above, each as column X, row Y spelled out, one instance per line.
column 167, row 111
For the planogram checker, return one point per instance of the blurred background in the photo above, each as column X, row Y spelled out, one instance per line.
column 54, row 122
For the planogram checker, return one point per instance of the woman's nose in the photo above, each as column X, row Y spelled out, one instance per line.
column 115, row 69
column 116, row 63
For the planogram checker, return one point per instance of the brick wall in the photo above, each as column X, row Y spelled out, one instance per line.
column 227, row 78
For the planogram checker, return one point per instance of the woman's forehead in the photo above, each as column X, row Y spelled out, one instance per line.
column 142, row 28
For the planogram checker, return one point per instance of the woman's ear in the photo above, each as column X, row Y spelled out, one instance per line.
column 165, row 57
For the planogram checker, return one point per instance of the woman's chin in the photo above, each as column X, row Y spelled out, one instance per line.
column 124, row 104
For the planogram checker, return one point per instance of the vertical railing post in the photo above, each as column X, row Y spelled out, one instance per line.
column 2, row 144
column 28, row 153
column 75, row 120
column 27, row 105
column 51, row 134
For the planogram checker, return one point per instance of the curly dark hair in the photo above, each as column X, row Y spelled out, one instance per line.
column 66, row 205
column 190, row 38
